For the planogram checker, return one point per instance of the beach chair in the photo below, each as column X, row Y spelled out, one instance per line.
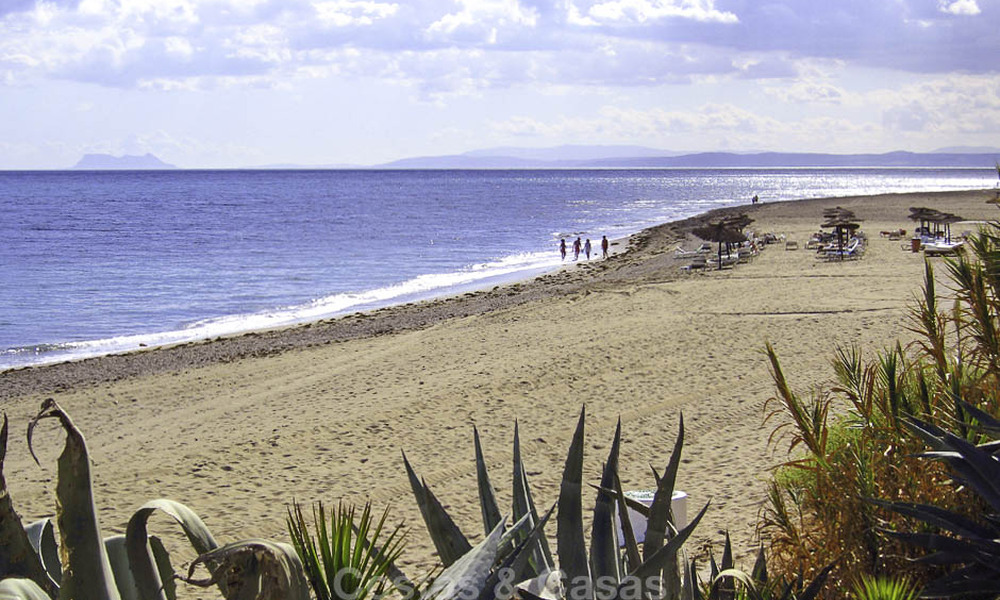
column 791, row 245
column 854, row 249
column 697, row 262
column 728, row 260
column 680, row 252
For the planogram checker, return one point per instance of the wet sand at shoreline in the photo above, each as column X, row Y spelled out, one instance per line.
column 238, row 427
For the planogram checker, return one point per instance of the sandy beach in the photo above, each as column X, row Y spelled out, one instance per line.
column 236, row 428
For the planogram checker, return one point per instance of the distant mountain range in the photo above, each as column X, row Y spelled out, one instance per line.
column 590, row 157
column 107, row 162
column 620, row 157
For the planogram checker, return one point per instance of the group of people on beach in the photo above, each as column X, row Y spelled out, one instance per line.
column 585, row 248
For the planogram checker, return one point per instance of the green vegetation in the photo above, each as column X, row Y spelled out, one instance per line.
column 861, row 494
column 350, row 558
column 885, row 588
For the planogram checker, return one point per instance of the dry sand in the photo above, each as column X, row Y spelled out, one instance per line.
column 237, row 428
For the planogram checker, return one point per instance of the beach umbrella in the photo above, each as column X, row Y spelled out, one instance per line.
column 720, row 232
column 739, row 223
column 925, row 216
column 843, row 222
column 946, row 220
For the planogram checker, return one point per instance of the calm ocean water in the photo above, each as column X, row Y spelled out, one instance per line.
column 100, row 262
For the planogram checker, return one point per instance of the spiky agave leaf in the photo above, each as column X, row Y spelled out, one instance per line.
column 523, row 504
column 86, row 570
column 449, row 541
column 143, row 563
column 967, row 544
column 632, row 557
column 254, row 569
column 668, row 552
column 661, row 516
column 516, row 561
column 19, row 558
column 467, row 577
column 604, row 561
column 974, row 466
column 570, row 541
column 487, row 496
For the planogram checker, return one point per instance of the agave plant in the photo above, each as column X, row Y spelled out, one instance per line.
column 971, row 547
column 131, row 567
column 602, row 572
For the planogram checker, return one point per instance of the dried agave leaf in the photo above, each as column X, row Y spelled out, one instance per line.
column 148, row 575
column 42, row 536
column 254, row 570
column 19, row 558
column 86, row 570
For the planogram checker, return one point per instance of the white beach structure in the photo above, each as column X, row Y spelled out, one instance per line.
column 678, row 504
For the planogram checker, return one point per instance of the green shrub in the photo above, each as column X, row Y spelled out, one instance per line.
column 819, row 509
column 348, row 558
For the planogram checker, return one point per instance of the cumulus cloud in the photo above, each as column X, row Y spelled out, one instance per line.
column 490, row 43
column 960, row 7
column 959, row 104
column 481, row 20
column 644, row 11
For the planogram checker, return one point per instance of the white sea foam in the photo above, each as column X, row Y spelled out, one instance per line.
column 422, row 287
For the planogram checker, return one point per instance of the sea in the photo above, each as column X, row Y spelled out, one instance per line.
column 102, row 262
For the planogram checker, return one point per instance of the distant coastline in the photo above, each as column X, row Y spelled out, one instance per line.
column 715, row 160
column 599, row 157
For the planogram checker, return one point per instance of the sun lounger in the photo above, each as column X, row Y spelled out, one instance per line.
column 680, row 252
column 853, row 250
column 791, row 245
column 727, row 261
column 942, row 248
column 697, row 262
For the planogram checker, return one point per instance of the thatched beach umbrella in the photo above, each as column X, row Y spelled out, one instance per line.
column 946, row 220
column 721, row 232
column 925, row 216
column 843, row 222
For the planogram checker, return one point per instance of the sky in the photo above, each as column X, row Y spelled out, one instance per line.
column 236, row 83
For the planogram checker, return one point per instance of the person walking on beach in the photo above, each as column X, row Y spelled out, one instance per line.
column 586, row 248
column 604, row 246
column 576, row 249
column 562, row 248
